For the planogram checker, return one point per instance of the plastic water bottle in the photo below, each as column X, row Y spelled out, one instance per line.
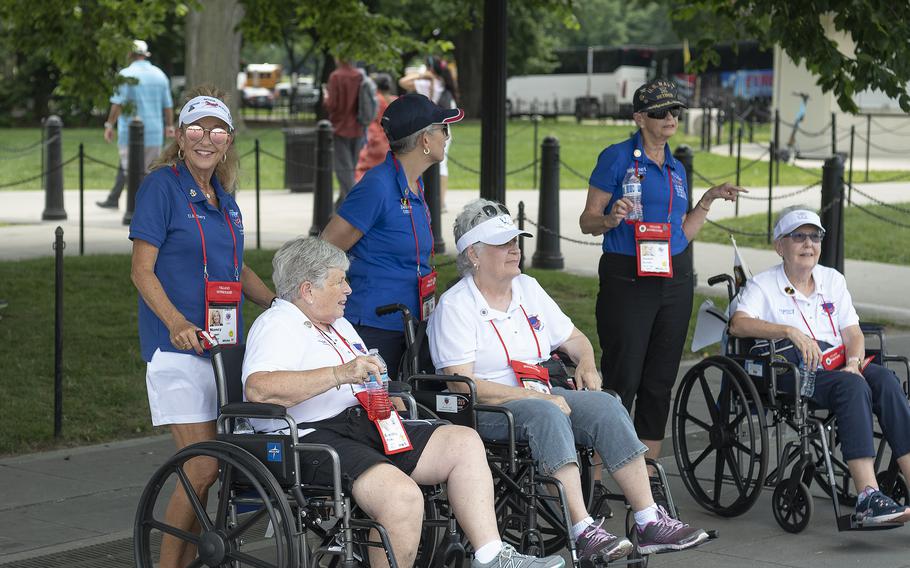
column 806, row 380
column 378, row 405
column 631, row 190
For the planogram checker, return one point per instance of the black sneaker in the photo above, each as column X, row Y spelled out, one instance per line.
column 878, row 508
column 107, row 204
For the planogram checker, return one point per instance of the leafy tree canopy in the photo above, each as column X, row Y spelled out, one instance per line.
column 879, row 30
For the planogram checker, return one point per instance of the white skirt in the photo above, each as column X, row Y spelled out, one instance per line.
column 181, row 389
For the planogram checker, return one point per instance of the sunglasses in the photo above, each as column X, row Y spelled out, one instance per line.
column 662, row 114
column 445, row 129
column 219, row 136
column 495, row 210
column 800, row 237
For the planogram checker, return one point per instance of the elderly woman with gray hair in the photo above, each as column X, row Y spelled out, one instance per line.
column 304, row 355
column 498, row 326
column 384, row 225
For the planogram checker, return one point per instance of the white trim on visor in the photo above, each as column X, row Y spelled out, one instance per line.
column 201, row 107
column 494, row 231
column 794, row 220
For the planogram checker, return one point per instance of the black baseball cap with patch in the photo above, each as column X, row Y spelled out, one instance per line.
column 658, row 94
column 412, row 112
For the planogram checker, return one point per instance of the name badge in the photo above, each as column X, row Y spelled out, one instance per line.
column 652, row 247
column 222, row 305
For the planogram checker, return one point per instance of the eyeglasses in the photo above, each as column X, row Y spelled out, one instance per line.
column 662, row 114
column 800, row 237
column 495, row 210
column 444, row 128
column 219, row 136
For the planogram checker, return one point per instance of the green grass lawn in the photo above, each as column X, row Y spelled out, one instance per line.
column 104, row 375
column 863, row 236
column 580, row 145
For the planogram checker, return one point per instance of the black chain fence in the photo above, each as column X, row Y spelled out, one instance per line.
column 40, row 175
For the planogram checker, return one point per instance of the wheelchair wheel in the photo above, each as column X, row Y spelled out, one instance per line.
column 237, row 521
column 720, row 437
column 895, row 486
column 792, row 508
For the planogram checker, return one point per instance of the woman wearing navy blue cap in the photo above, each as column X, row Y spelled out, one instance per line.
column 638, row 199
column 384, row 226
column 187, row 265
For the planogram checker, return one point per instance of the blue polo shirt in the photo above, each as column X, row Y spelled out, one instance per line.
column 163, row 218
column 613, row 164
column 150, row 96
column 384, row 262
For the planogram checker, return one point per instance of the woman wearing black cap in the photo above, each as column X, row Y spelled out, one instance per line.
column 384, row 225
column 638, row 199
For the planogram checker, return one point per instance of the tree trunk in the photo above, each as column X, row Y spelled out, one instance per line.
column 213, row 49
column 469, row 59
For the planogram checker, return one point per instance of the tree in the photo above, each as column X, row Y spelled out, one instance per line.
column 213, row 48
column 880, row 58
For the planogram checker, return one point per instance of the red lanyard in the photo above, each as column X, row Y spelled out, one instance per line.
column 669, row 186
column 534, row 333
column 805, row 321
column 407, row 201
column 205, row 261
column 332, row 342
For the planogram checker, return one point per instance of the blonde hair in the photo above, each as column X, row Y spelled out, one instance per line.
column 228, row 171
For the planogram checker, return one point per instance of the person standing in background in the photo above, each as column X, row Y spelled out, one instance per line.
column 149, row 98
column 340, row 99
column 377, row 146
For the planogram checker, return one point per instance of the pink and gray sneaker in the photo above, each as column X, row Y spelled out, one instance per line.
column 594, row 542
column 667, row 534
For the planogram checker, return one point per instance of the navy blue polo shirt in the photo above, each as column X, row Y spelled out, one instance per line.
column 384, row 261
column 613, row 164
column 163, row 218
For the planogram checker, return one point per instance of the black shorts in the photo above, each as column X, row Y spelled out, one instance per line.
column 359, row 446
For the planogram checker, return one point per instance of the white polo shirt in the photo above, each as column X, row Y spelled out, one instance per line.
column 461, row 329
column 284, row 339
column 770, row 296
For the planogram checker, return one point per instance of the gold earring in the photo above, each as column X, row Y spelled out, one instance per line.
column 224, row 157
column 426, row 150
column 180, row 154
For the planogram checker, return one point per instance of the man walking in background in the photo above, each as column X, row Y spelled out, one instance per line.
column 149, row 98
column 340, row 100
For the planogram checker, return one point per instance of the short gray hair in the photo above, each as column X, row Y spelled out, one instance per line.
column 471, row 216
column 408, row 143
column 305, row 259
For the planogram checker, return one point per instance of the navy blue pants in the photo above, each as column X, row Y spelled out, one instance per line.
column 854, row 400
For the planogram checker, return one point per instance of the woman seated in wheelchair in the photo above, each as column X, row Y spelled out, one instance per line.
column 497, row 326
column 809, row 306
column 304, row 355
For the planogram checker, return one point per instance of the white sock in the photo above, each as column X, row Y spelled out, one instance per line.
column 488, row 552
column 646, row 516
column 580, row 526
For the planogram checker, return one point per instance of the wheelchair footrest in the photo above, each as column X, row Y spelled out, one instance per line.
column 850, row 523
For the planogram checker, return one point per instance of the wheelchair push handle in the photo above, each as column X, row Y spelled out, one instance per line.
column 392, row 308
column 206, row 339
column 724, row 278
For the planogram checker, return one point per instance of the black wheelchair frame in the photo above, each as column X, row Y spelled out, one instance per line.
column 736, row 423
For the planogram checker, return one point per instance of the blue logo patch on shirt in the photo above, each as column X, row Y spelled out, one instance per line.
column 273, row 452
column 360, row 347
column 679, row 186
column 535, row 322
column 235, row 217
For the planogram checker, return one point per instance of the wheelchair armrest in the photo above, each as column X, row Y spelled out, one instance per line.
column 336, row 474
column 416, row 380
column 396, row 387
column 253, row 410
column 510, row 420
column 787, row 367
column 408, row 400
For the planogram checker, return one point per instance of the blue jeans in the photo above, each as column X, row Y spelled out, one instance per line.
column 598, row 420
column 854, row 400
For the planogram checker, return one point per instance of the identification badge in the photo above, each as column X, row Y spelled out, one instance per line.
column 394, row 439
column 532, row 377
column 834, row 358
column 652, row 245
column 222, row 303
column 426, row 291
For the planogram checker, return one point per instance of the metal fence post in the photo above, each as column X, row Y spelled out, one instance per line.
column 739, row 157
column 833, row 133
column 732, row 121
column 59, row 245
column 775, row 148
column 770, row 186
column 548, row 254
column 720, row 125
column 135, row 166
column 53, row 175
column 521, row 239
column 832, row 213
column 431, row 195
column 850, row 175
column 258, row 229
column 322, row 197
column 868, row 142
column 536, row 119
column 81, row 199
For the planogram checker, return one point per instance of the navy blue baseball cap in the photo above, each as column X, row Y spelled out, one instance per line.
column 413, row 112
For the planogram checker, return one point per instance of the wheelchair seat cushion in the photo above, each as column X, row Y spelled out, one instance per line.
column 359, row 446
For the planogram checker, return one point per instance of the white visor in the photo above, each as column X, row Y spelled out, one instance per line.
column 201, row 107
column 794, row 220
column 494, row 231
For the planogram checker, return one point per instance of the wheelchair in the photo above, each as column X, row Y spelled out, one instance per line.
column 264, row 516
column 531, row 509
column 722, row 413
